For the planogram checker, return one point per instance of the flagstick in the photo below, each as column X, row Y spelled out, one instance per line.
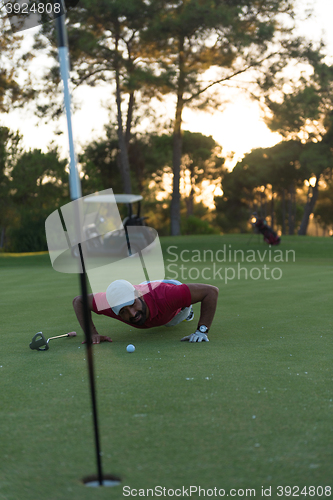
column 76, row 193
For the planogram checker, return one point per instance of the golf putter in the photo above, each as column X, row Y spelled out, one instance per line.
column 39, row 342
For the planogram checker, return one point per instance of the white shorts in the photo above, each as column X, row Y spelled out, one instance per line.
column 181, row 316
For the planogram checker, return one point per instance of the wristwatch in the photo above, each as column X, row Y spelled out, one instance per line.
column 203, row 329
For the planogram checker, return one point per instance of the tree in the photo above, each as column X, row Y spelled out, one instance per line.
column 202, row 161
column 285, row 174
column 234, row 208
column 305, row 113
column 15, row 79
column 324, row 208
column 317, row 161
column 148, row 155
column 10, row 149
column 38, row 185
column 188, row 37
column 99, row 164
column 150, row 158
column 104, row 42
column 263, row 182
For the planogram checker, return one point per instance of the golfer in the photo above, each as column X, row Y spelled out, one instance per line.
column 152, row 304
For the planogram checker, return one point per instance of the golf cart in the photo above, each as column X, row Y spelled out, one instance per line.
column 100, row 232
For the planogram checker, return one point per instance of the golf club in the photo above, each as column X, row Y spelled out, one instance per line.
column 39, row 342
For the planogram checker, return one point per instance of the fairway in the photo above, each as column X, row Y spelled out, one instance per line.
column 251, row 409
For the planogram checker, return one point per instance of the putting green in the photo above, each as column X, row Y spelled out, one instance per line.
column 252, row 408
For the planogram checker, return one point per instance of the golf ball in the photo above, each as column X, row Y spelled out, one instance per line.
column 130, row 348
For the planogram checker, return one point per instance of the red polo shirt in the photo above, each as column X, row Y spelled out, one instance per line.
column 164, row 302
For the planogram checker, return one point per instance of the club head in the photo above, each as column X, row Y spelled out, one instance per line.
column 39, row 342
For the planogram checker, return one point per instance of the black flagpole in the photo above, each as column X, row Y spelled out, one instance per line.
column 75, row 193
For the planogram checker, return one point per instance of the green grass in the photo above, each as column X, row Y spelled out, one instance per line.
column 251, row 408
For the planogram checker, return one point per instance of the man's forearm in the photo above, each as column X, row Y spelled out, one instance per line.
column 207, row 296
column 79, row 311
column 208, row 307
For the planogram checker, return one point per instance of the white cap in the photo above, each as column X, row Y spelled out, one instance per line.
column 119, row 294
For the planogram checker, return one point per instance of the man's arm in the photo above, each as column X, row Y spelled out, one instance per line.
column 78, row 308
column 207, row 295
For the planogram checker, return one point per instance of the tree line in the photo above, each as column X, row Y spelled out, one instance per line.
column 154, row 48
column 33, row 184
column 282, row 185
column 277, row 183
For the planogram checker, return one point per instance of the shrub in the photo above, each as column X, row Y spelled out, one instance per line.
column 194, row 225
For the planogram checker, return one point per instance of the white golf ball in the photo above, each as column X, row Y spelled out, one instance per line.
column 130, row 348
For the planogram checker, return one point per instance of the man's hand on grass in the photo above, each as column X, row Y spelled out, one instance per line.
column 97, row 339
column 196, row 337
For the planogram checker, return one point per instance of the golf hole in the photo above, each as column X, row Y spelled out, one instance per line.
column 108, row 480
